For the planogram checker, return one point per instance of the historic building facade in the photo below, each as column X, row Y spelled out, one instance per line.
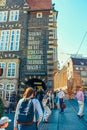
column 28, row 44
column 72, row 76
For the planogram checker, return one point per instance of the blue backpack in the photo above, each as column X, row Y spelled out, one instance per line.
column 25, row 112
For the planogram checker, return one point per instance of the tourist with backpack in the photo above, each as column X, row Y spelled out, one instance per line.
column 26, row 112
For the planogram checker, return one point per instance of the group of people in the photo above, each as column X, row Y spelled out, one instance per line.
column 42, row 108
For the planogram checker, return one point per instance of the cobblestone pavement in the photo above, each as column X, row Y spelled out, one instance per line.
column 62, row 121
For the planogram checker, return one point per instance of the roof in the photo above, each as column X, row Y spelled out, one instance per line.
column 39, row 4
column 79, row 61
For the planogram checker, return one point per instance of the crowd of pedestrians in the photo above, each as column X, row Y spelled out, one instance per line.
column 44, row 103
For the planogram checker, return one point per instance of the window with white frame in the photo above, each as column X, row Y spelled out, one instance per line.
column 9, row 38
column 14, row 15
column 14, row 41
column 8, row 90
column 84, row 73
column 3, row 16
column 4, row 40
column 2, row 65
column 11, row 69
column 1, row 90
column 84, row 80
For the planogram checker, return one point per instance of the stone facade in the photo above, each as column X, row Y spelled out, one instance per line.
column 31, row 43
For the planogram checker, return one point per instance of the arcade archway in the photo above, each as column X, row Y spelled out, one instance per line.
column 36, row 84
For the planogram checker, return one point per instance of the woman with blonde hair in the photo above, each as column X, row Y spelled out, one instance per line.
column 29, row 94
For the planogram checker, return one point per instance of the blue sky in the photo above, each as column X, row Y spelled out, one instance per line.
column 71, row 27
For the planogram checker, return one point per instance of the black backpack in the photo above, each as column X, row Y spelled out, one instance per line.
column 25, row 112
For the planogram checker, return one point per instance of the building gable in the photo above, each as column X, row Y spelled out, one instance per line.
column 39, row 4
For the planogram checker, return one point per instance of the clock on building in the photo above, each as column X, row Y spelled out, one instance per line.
column 2, row 2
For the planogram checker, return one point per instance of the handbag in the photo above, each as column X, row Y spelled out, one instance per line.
column 63, row 105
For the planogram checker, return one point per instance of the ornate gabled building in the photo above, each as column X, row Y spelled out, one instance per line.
column 28, row 44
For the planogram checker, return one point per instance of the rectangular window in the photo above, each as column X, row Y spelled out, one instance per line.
column 9, row 38
column 8, row 91
column 84, row 73
column 2, row 65
column 14, row 15
column 4, row 39
column 11, row 70
column 14, row 40
column 3, row 16
column 84, row 80
column 54, row 17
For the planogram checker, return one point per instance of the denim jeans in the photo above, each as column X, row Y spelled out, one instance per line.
column 60, row 102
column 27, row 127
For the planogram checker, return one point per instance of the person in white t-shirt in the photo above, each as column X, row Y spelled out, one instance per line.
column 61, row 96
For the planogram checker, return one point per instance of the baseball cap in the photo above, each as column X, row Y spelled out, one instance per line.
column 4, row 119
